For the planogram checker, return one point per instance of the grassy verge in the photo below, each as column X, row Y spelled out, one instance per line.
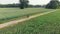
column 10, row 14
column 46, row 24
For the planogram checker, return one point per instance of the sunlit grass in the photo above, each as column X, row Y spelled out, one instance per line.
column 46, row 24
column 9, row 14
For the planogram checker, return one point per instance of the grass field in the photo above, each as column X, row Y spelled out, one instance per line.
column 9, row 14
column 46, row 24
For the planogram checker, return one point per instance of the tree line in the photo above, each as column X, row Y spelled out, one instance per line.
column 53, row 4
column 18, row 5
column 8, row 5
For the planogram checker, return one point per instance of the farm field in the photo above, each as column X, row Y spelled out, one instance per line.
column 9, row 14
column 46, row 24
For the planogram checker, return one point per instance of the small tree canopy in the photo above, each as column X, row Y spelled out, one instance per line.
column 53, row 4
column 23, row 3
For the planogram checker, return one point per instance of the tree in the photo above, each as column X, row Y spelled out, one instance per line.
column 53, row 4
column 26, row 3
column 23, row 4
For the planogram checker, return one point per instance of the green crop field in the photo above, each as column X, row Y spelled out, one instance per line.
column 9, row 14
column 46, row 24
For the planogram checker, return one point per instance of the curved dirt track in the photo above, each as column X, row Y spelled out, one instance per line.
column 22, row 20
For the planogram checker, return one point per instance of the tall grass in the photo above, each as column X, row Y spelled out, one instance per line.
column 9, row 14
column 46, row 24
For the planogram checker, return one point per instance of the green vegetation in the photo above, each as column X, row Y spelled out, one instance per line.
column 54, row 4
column 46, row 24
column 9, row 14
column 23, row 4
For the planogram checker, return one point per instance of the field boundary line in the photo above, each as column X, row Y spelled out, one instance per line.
column 22, row 20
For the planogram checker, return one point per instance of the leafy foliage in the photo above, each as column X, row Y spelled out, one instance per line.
column 53, row 4
column 23, row 3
